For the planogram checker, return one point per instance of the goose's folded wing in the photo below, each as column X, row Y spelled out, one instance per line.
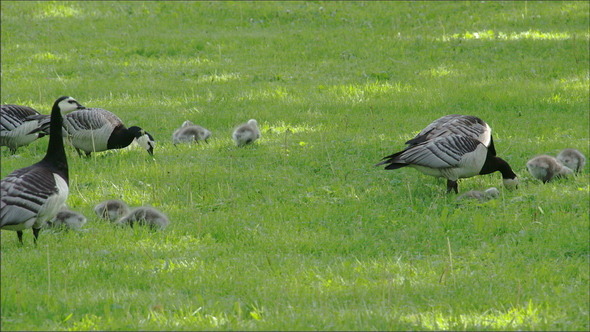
column 441, row 152
column 454, row 124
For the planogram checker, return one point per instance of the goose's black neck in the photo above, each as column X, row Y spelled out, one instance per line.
column 494, row 164
column 56, row 154
column 120, row 138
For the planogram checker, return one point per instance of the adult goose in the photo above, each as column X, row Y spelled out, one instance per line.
column 190, row 132
column 96, row 129
column 246, row 133
column 33, row 195
column 17, row 128
column 546, row 168
column 573, row 159
column 453, row 147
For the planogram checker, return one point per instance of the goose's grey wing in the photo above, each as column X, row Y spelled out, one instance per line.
column 23, row 193
column 441, row 152
column 455, row 124
column 90, row 119
column 12, row 116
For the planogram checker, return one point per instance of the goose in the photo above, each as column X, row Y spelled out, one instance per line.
column 145, row 215
column 33, row 195
column 573, row 159
column 68, row 219
column 17, row 128
column 545, row 168
column 453, row 147
column 246, row 133
column 96, row 129
column 111, row 209
column 190, row 132
column 482, row 196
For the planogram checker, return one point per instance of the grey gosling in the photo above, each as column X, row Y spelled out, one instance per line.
column 545, row 168
column 112, row 209
column 147, row 216
column 190, row 132
column 482, row 196
column 246, row 133
column 573, row 159
column 68, row 219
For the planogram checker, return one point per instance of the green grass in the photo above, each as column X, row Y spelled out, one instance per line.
column 300, row 231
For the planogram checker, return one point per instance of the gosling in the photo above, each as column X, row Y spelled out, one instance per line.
column 190, row 132
column 111, row 209
column 572, row 159
column 246, row 133
column 545, row 168
column 68, row 219
column 482, row 196
column 146, row 216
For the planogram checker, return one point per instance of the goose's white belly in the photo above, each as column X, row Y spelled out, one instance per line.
column 469, row 165
column 54, row 202
column 91, row 140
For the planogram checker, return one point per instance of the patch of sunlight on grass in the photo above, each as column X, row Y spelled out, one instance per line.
column 360, row 93
column 184, row 318
column 439, row 71
column 219, row 78
column 514, row 318
column 282, row 127
column 279, row 93
column 89, row 322
column 493, row 35
column 48, row 56
column 558, row 98
column 57, row 9
column 185, row 242
column 576, row 83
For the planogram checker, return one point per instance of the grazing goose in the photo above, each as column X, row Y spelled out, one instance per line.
column 545, row 168
column 453, row 147
column 572, row 159
column 111, row 209
column 33, row 195
column 246, row 133
column 147, row 216
column 68, row 219
column 96, row 129
column 482, row 196
column 16, row 128
column 190, row 132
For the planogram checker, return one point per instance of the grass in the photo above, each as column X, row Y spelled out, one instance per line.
column 300, row 231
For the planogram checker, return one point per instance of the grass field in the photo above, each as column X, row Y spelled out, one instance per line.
column 300, row 231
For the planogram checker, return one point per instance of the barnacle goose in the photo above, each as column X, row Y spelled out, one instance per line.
column 33, row 195
column 111, row 209
column 17, row 128
column 246, row 133
column 96, row 129
column 573, row 159
column 147, row 216
column 481, row 196
column 545, row 168
column 453, row 147
column 190, row 132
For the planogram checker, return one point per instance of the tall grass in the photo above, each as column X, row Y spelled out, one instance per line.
column 300, row 231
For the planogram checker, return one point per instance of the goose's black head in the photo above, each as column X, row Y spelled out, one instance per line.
column 67, row 104
column 144, row 139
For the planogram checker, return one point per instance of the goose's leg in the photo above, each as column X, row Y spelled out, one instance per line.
column 36, row 233
column 19, row 234
column 452, row 186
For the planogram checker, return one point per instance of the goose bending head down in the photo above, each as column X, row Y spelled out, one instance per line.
column 33, row 195
column 190, row 132
column 19, row 126
column 246, row 133
column 453, row 147
column 111, row 209
column 146, row 216
column 96, row 129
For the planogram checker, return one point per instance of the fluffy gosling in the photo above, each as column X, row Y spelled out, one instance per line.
column 246, row 133
column 545, row 168
column 68, row 219
column 573, row 159
column 190, row 132
column 111, row 209
column 147, row 216
column 482, row 196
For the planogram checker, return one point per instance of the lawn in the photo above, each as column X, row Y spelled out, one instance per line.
column 300, row 231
